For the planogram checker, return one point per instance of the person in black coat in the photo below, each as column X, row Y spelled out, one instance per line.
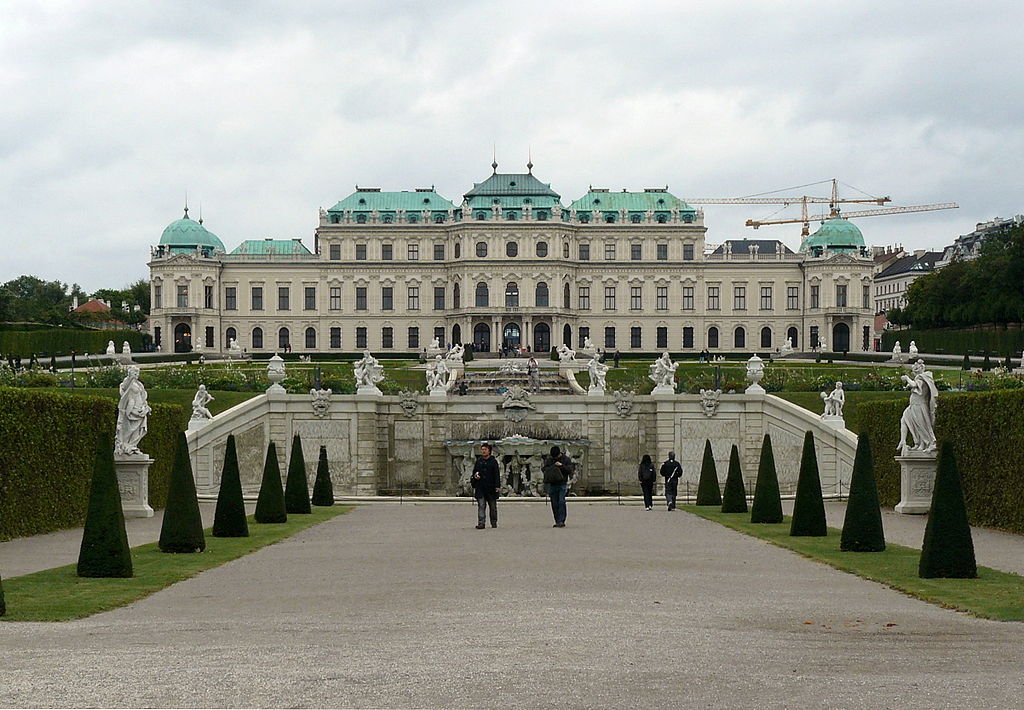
column 558, row 468
column 671, row 471
column 486, row 482
column 645, row 473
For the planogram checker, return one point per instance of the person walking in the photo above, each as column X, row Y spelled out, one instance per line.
column 558, row 468
column 533, row 368
column 647, row 476
column 615, row 358
column 671, row 471
column 486, row 482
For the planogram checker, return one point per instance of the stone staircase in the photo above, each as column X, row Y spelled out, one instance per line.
column 488, row 382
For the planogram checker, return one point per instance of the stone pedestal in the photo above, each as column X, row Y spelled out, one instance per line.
column 833, row 421
column 439, row 392
column 917, row 478
column 133, row 483
column 664, row 389
column 196, row 424
column 595, row 391
column 371, row 390
column 755, row 389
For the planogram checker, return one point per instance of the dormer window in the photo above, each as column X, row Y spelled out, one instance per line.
column 335, row 219
column 635, row 219
column 661, row 201
column 412, row 218
column 510, row 215
column 609, row 218
column 662, row 219
column 439, row 219
column 481, row 216
column 527, row 201
column 542, row 215
column 362, row 201
column 512, row 184
column 426, row 200
column 597, row 202
column 387, row 219
column 361, row 219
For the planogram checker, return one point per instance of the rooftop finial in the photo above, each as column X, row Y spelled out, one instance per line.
column 200, row 213
column 494, row 158
column 529, row 163
column 186, row 204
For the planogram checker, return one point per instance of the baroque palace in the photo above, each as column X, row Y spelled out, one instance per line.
column 511, row 265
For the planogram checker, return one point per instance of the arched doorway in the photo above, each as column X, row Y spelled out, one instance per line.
column 183, row 338
column 766, row 338
column 739, row 338
column 840, row 338
column 792, row 334
column 541, row 338
column 511, row 335
column 567, row 335
column 481, row 338
column 456, row 335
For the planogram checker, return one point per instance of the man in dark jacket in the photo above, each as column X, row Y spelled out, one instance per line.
column 558, row 468
column 671, row 471
column 486, row 482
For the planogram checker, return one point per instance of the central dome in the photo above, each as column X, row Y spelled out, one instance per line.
column 836, row 234
column 186, row 233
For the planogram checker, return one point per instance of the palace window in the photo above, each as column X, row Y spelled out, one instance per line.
column 360, row 298
column 208, row 297
column 712, row 337
column 739, row 338
column 335, row 337
column 283, row 298
column 335, row 302
column 456, row 297
column 482, row 295
column 687, row 252
column 158, row 300
column 583, row 302
column 713, row 301
column 688, row 337
column 438, row 298
column 634, row 218
column 688, row 298
column 230, row 298
column 256, row 298
column 609, row 337
column 766, row 298
column 584, row 334
column 414, row 337
column 792, row 298
column 413, row 252
column 584, row 252
column 565, row 250
column 739, row 298
column 867, row 297
column 183, row 296
column 439, row 252
column 661, row 298
column 387, row 252
column 209, row 337
column 841, row 295
column 565, row 296
column 361, row 338
column 309, row 298
column 662, row 252
column 815, row 290
column 257, row 337
column 609, row 251
column 635, row 339
column 609, row 298
column 636, row 299
column 542, row 249
column 481, row 249
column 229, row 335
column 636, row 252
column 387, row 298
column 360, row 252
column 387, row 337
column 662, row 337
column 283, row 339
column 511, row 249
column 813, row 337
column 458, row 250
column 439, row 334
column 335, row 252
column 766, row 338
column 414, row 298
column 511, row 294
column 310, row 339
column 541, row 295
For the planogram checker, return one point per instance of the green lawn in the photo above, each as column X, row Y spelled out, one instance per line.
column 993, row 595
column 59, row 595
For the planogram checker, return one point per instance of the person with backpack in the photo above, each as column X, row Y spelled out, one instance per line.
column 671, row 471
column 558, row 468
column 486, row 482
column 646, row 476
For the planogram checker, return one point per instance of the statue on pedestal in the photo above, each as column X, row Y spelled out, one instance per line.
column 132, row 415
column 457, row 353
column 919, row 417
column 111, row 349
column 597, row 372
column 437, row 375
column 663, row 374
column 787, row 348
column 565, row 353
column 834, row 401
column 897, row 351
column 199, row 402
column 912, row 350
column 368, row 372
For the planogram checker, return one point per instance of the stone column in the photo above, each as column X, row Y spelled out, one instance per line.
column 133, row 483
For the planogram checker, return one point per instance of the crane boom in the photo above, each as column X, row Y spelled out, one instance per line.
column 776, row 200
column 857, row 213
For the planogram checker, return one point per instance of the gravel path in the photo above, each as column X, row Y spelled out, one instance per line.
column 409, row 606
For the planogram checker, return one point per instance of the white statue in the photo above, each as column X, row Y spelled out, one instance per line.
column 435, row 344
column 132, row 415
column 565, row 353
column 834, row 401
column 588, row 344
column 787, row 348
column 276, row 373
column 912, row 350
column 457, row 353
column 199, row 402
column 437, row 374
column 111, row 350
column 663, row 374
column 822, row 345
column 919, row 417
column 755, row 371
column 126, row 349
column 234, row 350
column 368, row 372
column 897, row 351
column 597, row 372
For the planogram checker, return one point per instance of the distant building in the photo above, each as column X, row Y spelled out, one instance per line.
column 892, row 283
column 968, row 246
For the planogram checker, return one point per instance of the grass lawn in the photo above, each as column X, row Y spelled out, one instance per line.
column 993, row 595
column 59, row 595
column 222, row 400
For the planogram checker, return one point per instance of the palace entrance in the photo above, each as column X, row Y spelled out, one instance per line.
column 541, row 338
column 511, row 335
column 840, row 338
column 183, row 338
column 481, row 338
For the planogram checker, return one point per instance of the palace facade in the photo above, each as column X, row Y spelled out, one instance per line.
column 511, row 264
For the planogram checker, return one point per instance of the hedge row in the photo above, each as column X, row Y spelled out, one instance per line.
column 46, row 459
column 987, row 433
column 998, row 340
column 61, row 341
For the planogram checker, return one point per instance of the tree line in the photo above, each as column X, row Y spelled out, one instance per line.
column 29, row 299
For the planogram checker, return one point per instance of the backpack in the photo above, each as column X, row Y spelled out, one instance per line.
column 553, row 475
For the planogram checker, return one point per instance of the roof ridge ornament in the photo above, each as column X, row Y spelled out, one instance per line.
column 494, row 158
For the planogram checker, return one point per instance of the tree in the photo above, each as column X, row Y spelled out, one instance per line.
column 323, row 490
column 767, row 507
column 967, row 362
column 708, row 492
column 104, row 551
column 948, row 549
column 809, row 507
column 986, row 364
column 270, row 502
column 229, row 518
column 182, row 528
column 296, row 489
column 734, row 500
column 862, row 526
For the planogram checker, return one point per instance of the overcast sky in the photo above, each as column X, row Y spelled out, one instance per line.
column 265, row 111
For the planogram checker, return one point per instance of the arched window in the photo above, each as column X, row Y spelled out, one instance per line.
column 712, row 337
column 481, row 248
column 360, row 219
column 510, row 215
column 257, row 337
column 511, row 294
column 387, row 219
column 482, row 295
column 739, row 338
column 565, row 250
column 458, row 249
column 335, row 219
column 766, row 337
column 456, row 297
column 438, row 219
column 634, row 218
column 283, row 341
column 542, row 294
column 542, row 248
column 311, row 338
column 511, row 249
column 584, row 218
column 456, row 334
column 229, row 335
column 661, row 219
column 412, row 217
column 565, row 297
column 542, row 216
column 792, row 334
column 609, row 219
column 481, row 215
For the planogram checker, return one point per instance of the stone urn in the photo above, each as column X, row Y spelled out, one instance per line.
column 755, row 371
column 276, row 373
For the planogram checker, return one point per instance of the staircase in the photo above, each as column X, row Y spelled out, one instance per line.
column 488, row 382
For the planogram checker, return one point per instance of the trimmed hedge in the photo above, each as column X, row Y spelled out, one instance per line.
column 986, row 430
column 104, row 551
column 996, row 339
column 948, row 550
column 61, row 341
column 182, row 528
column 49, row 446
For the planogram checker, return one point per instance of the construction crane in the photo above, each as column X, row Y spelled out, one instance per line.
column 835, row 212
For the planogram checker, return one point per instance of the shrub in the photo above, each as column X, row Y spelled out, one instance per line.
column 296, row 490
column 104, row 551
column 323, row 489
column 948, row 549
column 3, row 604
column 767, row 507
column 468, row 355
column 229, row 518
column 734, row 500
column 862, row 526
column 61, row 341
column 986, row 364
column 182, row 528
column 959, row 340
column 967, row 362
column 553, row 356
column 270, row 502
column 809, row 507
column 708, row 492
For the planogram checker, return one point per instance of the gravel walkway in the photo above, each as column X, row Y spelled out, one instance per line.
column 409, row 606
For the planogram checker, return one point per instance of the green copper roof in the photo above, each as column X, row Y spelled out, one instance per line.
column 509, row 184
column 835, row 234
column 187, row 233
column 654, row 200
column 410, row 201
column 265, row 247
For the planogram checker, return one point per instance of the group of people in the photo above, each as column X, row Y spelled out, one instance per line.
column 557, row 467
column 671, row 471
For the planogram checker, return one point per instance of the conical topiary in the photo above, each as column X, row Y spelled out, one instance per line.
column 734, row 500
column 182, row 529
column 296, row 488
column 270, row 502
column 948, row 549
column 767, row 507
column 809, row 508
column 967, row 362
column 1007, row 363
column 104, row 551
column 323, row 490
column 986, row 364
column 3, row 604
column 708, row 492
column 862, row 527
column 467, row 356
column 229, row 519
